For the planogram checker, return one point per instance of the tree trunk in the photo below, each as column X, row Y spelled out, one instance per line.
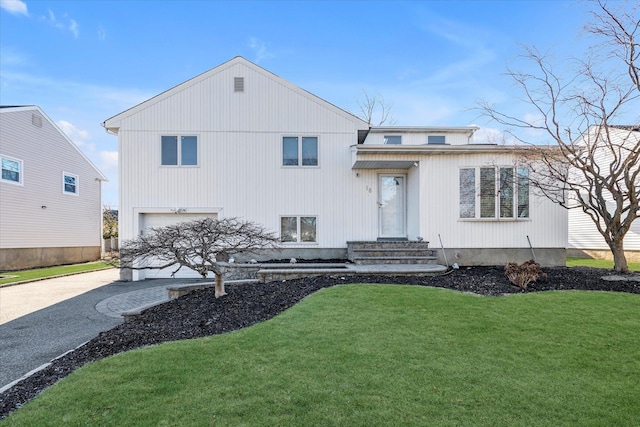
column 619, row 258
column 220, row 285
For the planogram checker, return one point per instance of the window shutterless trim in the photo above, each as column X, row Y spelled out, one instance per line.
column 76, row 184
column 20, row 162
column 299, row 240
column 179, row 153
column 300, row 161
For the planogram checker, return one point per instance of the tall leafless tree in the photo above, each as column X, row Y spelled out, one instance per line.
column 374, row 110
column 593, row 163
column 203, row 245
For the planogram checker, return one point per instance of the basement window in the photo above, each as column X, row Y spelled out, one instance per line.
column 298, row 229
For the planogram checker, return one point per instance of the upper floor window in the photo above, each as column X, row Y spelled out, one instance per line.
column 300, row 151
column 436, row 139
column 393, row 139
column 11, row 170
column 503, row 192
column 179, row 150
column 298, row 229
column 70, row 183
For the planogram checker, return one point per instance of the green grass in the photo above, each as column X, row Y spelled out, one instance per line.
column 44, row 273
column 364, row 355
column 598, row 263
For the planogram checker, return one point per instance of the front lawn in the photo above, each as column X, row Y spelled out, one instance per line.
column 362, row 355
column 45, row 273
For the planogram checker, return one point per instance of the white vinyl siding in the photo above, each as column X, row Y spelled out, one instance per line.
column 37, row 214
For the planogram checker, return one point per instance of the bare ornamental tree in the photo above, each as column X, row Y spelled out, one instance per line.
column 202, row 245
column 594, row 163
column 373, row 108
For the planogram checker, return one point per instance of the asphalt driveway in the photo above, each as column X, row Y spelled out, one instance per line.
column 42, row 320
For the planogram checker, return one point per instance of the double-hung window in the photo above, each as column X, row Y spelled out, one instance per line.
column 503, row 193
column 12, row 170
column 177, row 150
column 298, row 229
column 70, row 183
column 300, row 151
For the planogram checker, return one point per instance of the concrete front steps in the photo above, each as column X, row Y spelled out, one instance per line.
column 390, row 252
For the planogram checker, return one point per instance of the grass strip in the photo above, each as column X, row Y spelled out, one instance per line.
column 11, row 277
column 598, row 263
column 362, row 355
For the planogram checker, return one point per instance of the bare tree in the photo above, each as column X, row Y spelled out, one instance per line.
column 375, row 109
column 593, row 163
column 203, row 245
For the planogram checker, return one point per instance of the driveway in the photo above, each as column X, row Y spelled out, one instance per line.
column 42, row 320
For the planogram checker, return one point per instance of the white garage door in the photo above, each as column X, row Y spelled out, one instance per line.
column 154, row 220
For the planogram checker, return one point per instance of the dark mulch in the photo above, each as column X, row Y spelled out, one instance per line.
column 200, row 314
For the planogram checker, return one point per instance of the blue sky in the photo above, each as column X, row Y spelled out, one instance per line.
column 85, row 61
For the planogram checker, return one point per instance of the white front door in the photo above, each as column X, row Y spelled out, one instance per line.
column 392, row 206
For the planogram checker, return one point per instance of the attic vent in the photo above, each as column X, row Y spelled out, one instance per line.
column 238, row 84
column 36, row 120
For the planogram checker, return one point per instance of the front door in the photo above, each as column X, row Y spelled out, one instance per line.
column 392, row 206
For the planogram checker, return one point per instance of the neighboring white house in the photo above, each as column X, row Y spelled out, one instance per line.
column 239, row 141
column 584, row 238
column 50, row 194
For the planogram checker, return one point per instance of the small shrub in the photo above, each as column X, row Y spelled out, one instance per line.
column 524, row 274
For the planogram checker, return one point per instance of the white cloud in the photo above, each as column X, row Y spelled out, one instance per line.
column 260, row 49
column 16, row 7
column 63, row 24
column 109, row 160
column 74, row 28
column 78, row 136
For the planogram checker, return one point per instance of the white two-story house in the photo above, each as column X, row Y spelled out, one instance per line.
column 50, row 194
column 239, row 141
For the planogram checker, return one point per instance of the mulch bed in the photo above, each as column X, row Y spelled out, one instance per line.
column 200, row 314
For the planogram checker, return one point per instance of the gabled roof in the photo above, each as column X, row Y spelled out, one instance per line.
column 112, row 123
column 11, row 109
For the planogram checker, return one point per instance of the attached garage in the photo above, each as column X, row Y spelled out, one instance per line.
column 149, row 220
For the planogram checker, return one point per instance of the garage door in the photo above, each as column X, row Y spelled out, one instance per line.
column 154, row 220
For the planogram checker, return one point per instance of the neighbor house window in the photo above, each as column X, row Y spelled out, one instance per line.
column 11, row 170
column 179, row 150
column 393, row 139
column 436, row 139
column 300, row 151
column 69, row 183
column 298, row 229
column 503, row 193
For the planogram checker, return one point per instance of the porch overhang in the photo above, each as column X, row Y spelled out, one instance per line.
column 404, row 157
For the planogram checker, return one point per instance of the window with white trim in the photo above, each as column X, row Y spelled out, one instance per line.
column 299, row 151
column 393, row 139
column 177, row 150
column 12, row 170
column 436, row 139
column 70, row 183
column 298, row 229
column 503, row 193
